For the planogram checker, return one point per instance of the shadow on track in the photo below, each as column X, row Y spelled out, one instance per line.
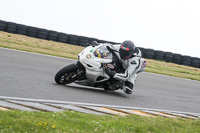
column 96, row 90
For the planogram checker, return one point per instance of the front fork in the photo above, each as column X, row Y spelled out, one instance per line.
column 80, row 71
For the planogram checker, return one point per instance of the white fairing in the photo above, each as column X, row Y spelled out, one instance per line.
column 92, row 63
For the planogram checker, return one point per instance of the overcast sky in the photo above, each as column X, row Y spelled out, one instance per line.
column 167, row 25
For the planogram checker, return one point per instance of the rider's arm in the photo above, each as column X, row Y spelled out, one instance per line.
column 133, row 65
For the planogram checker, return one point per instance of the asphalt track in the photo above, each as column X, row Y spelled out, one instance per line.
column 29, row 75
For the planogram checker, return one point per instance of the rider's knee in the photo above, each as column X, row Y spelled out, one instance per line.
column 128, row 88
column 129, row 84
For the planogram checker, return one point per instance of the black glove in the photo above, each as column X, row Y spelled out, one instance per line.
column 110, row 72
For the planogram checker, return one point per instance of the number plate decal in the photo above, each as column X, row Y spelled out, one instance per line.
column 88, row 56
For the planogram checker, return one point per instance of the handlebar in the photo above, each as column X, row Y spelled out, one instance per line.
column 93, row 43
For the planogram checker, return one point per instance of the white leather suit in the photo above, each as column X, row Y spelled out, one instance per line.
column 131, row 66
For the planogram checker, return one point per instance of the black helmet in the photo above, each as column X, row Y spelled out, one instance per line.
column 127, row 48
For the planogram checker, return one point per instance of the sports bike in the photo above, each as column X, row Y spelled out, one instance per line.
column 89, row 70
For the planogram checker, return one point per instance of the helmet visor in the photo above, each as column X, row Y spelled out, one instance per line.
column 124, row 54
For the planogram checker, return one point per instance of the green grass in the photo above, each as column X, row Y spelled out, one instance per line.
column 42, row 122
column 19, row 42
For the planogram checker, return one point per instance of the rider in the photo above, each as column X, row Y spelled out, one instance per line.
column 130, row 58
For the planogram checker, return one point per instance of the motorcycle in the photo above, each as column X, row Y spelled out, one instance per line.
column 89, row 70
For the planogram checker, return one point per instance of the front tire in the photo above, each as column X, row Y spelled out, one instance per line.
column 64, row 76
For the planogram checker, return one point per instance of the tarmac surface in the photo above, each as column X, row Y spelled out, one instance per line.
column 28, row 75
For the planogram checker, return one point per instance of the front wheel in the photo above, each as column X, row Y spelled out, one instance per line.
column 65, row 75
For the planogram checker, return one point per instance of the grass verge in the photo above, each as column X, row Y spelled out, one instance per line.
column 41, row 122
column 19, row 42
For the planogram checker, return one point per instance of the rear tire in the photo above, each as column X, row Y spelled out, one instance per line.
column 64, row 76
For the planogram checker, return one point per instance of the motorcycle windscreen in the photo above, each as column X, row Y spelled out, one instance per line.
column 102, row 52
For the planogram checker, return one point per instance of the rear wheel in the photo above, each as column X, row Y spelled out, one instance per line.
column 65, row 75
